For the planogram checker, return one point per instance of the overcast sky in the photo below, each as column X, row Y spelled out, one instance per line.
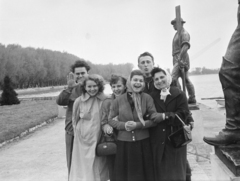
column 117, row 31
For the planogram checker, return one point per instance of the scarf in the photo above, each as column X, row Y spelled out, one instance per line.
column 164, row 92
column 137, row 101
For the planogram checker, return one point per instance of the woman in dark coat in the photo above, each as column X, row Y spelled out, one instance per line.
column 169, row 162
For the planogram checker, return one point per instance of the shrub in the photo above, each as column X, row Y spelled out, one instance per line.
column 9, row 96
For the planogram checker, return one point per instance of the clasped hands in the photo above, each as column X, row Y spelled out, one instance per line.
column 130, row 125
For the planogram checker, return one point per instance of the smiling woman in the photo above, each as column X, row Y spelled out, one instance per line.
column 87, row 130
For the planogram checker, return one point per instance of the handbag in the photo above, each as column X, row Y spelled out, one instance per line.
column 107, row 145
column 180, row 137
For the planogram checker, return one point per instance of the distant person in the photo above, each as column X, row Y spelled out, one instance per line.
column 79, row 71
column 86, row 166
column 146, row 64
column 230, row 79
column 169, row 162
column 118, row 86
column 181, row 60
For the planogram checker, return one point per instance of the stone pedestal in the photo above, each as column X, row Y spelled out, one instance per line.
column 230, row 156
column 220, row 172
column 62, row 111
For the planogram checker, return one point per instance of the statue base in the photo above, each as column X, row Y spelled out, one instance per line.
column 193, row 106
column 230, row 156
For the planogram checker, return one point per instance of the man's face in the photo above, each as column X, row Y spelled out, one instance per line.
column 175, row 26
column 146, row 64
column 80, row 73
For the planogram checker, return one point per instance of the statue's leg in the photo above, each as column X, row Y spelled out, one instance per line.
column 229, row 76
column 190, row 89
column 175, row 75
column 230, row 79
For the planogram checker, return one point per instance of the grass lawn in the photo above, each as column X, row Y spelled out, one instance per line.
column 18, row 118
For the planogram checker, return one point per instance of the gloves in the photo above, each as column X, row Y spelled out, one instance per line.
column 169, row 117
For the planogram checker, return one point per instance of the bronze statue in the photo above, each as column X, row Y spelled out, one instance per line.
column 229, row 76
column 181, row 64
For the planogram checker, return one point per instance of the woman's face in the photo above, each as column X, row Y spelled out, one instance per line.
column 91, row 88
column 118, row 88
column 160, row 80
column 137, row 83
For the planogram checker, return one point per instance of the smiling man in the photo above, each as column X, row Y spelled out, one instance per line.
column 79, row 71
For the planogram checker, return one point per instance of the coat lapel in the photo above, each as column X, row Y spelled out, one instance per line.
column 174, row 93
column 160, row 103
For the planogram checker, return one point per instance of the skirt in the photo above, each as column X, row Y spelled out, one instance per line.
column 133, row 161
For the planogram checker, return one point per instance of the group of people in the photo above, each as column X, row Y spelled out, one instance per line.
column 143, row 110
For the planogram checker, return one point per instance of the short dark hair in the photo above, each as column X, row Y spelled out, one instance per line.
column 137, row 72
column 156, row 70
column 115, row 78
column 80, row 63
column 144, row 55
column 97, row 79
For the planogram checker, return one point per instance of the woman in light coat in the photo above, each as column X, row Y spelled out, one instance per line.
column 87, row 130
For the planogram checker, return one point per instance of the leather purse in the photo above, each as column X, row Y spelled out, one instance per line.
column 180, row 137
column 107, row 145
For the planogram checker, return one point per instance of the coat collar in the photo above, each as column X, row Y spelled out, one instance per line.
column 101, row 96
column 174, row 91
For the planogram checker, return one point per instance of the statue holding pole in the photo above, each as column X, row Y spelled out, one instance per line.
column 181, row 63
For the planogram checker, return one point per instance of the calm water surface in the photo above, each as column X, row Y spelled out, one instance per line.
column 206, row 86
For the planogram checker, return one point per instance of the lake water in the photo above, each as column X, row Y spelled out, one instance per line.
column 206, row 86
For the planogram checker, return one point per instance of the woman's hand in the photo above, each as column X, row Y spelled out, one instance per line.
column 130, row 125
column 107, row 129
column 187, row 128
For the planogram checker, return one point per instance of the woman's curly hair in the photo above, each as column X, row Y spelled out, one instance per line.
column 98, row 79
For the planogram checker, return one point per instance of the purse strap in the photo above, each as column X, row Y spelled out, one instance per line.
column 180, row 120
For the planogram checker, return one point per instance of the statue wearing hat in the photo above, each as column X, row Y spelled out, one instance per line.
column 181, row 64
column 229, row 76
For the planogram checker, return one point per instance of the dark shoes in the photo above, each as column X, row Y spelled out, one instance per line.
column 192, row 100
column 224, row 138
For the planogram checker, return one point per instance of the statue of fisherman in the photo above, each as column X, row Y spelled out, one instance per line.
column 181, row 64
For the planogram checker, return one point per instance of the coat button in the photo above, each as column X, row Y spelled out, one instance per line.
column 162, row 143
column 132, row 131
column 163, row 130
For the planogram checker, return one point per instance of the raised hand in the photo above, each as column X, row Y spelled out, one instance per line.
column 71, row 80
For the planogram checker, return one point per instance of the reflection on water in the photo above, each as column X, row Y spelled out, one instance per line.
column 107, row 89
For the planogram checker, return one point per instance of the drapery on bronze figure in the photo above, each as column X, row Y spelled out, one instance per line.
column 229, row 76
column 181, row 64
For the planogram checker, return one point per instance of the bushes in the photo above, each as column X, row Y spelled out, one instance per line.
column 9, row 96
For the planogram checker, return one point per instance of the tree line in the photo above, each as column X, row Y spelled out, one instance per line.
column 38, row 67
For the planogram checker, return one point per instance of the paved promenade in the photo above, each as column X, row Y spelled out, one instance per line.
column 41, row 155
